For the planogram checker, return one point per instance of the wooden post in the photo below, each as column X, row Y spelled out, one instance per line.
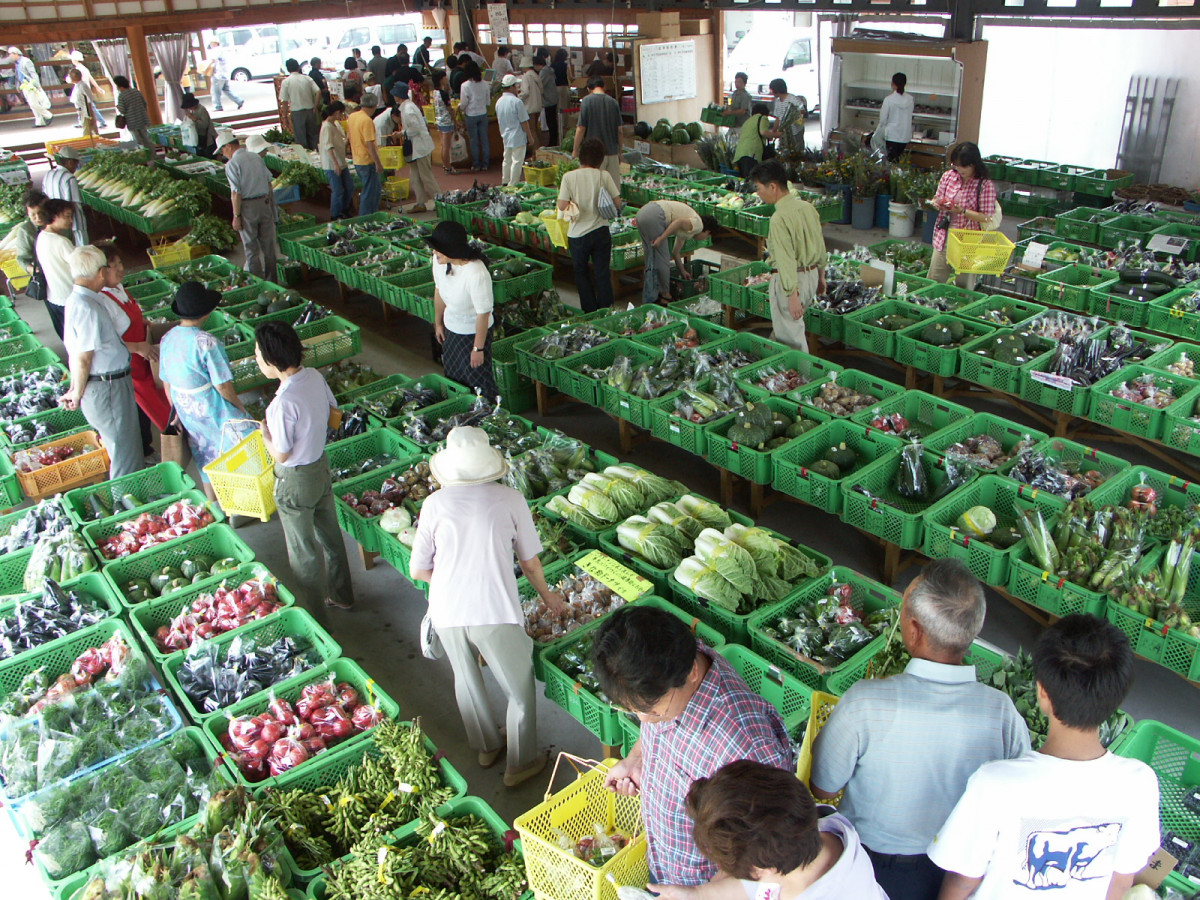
column 142, row 72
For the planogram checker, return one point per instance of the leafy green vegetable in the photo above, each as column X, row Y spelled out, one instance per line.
column 562, row 506
column 734, row 563
column 686, row 528
column 213, row 232
column 706, row 582
column 655, row 542
column 759, row 543
column 705, row 511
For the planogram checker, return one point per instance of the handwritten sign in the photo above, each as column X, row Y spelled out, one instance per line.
column 498, row 19
column 1034, row 254
column 667, row 71
column 15, row 176
column 627, row 583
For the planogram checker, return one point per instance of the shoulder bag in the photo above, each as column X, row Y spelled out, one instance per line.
column 992, row 224
column 38, row 288
column 606, row 207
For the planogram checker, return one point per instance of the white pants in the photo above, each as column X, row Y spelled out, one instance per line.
column 785, row 328
column 514, row 159
column 509, row 654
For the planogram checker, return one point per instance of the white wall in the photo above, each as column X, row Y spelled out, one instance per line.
column 1059, row 93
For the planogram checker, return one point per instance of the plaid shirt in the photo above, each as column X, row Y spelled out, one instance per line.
column 723, row 722
column 964, row 194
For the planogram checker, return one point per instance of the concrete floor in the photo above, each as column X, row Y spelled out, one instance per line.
column 381, row 633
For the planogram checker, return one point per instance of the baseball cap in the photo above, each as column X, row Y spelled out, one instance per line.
column 509, row 80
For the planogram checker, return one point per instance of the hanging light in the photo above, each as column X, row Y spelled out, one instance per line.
column 439, row 16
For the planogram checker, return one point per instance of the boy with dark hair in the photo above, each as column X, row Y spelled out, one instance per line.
column 1071, row 817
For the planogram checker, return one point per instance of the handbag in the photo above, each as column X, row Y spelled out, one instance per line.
column 406, row 148
column 431, row 644
column 992, row 224
column 37, row 288
column 605, row 206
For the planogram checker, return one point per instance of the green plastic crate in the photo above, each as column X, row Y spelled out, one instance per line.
column 911, row 350
column 1128, row 229
column 1190, row 233
column 59, row 422
column 1134, row 418
column 726, row 286
column 1179, row 652
column 534, row 366
column 1118, row 308
column 707, row 333
column 1070, row 287
column 294, row 622
column 1164, row 319
column 625, row 324
column 147, row 618
column 1180, row 428
column 747, row 462
column 1060, row 178
column 1075, row 456
column 951, row 296
column 516, row 390
column 1025, row 171
column 1047, row 591
column 215, row 727
column 215, row 541
column 991, row 310
column 867, row 597
column 926, row 414
column 992, row 373
column 984, row 660
column 794, row 477
column 443, row 386
column 1172, row 490
column 879, row 388
column 885, row 514
column 567, row 376
column 860, row 333
column 684, row 433
column 1163, row 359
column 1039, row 225
column 33, row 361
column 92, row 583
column 988, row 563
column 149, row 485
column 811, row 367
column 363, row 529
column 588, row 709
column 787, row 693
column 1008, row 433
column 1103, row 182
column 96, row 532
column 1073, row 402
column 362, row 447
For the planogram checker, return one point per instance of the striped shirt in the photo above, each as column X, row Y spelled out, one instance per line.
column 723, row 722
column 968, row 194
column 132, row 105
column 904, row 747
column 59, row 184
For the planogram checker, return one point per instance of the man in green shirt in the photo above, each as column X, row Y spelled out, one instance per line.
column 797, row 250
column 739, row 100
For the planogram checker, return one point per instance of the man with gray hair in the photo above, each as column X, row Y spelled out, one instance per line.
column 902, row 748
column 101, row 378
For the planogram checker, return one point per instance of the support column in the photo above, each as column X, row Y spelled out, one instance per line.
column 142, row 71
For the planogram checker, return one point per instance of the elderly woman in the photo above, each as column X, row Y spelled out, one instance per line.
column 759, row 825
column 657, row 222
column 53, row 245
column 462, row 308
column 153, row 408
column 195, row 371
column 588, row 236
column 294, row 434
column 414, row 128
column 101, row 381
column 464, row 547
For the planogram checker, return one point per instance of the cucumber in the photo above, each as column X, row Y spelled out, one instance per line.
column 130, row 502
column 1136, row 276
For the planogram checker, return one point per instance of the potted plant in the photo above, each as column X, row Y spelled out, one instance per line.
column 922, row 186
column 864, row 185
column 902, row 209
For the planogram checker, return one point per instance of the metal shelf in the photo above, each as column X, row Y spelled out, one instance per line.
column 916, row 115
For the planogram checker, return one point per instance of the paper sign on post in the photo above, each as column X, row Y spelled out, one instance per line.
column 642, row 147
column 627, row 583
column 1034, row 254
column 498, row 20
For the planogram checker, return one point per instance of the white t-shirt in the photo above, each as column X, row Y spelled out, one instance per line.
column 467, row 292
column 510, row 117
column 852, row 876
column 474, row 97
column 467, row 535
column 895, row 117
column 1040, row 825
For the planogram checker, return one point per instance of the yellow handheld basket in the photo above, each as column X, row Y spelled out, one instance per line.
column 540, row 175
column 978, row 252
column 554, row 872
column 244, row 477
column 391, row 157
column 822, row 706
column 557, row 229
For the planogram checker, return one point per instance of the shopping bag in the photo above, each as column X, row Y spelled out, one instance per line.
column 458, row 148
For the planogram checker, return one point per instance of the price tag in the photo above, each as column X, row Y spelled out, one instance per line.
column 642, row 147
column 627, row 583
column 1167, row 243
column 15, row 176
column 1060, row 382
column 1035, row 253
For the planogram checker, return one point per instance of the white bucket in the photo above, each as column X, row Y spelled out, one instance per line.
column 901, row 217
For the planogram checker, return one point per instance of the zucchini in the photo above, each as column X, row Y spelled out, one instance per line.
column 98, row 509
column 130, row 502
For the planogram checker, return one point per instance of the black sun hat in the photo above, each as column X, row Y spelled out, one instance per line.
column 450, row 239
column 194, row 301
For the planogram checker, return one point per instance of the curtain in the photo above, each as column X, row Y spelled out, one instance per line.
column 114, row 58
column 171, row 51
column 48, row 74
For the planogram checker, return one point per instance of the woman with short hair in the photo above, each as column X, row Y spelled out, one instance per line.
column 53, row 245
column 588, row 235
column 462, row 308
column 657, row 222
column 331, row 145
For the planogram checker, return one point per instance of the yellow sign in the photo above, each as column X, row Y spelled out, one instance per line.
column 626, row 582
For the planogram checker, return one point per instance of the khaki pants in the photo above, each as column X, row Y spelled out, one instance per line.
column 784, row 327
column 258, row 236
column 612, row 165
column 508, row 651
column 424, row 186
column 316, row 550
column 940, row 271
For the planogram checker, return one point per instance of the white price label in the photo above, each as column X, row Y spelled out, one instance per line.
column 1061, row 382
column 1034, row 254
column 1167, row 243
column 15, row 176
column 642, row 147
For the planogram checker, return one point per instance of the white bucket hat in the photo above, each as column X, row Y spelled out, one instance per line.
column 467, row 459
column 75, row 56
column 256, row 143
column 225, row 137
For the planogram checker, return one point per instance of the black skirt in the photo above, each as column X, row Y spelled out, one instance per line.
column 456, row 360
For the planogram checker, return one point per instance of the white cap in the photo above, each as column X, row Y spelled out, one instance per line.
column 76, row 55
column 224, row 137
column 256, row 143
column 509, row 80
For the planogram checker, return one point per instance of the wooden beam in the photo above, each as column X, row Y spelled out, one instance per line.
column 142, row 71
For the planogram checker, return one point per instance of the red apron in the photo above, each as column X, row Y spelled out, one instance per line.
column 151, row 398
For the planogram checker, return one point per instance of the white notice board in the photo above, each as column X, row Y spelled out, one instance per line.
column 667, row 71
column 498, row 19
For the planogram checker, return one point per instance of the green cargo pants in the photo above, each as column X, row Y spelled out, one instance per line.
column 304, row 498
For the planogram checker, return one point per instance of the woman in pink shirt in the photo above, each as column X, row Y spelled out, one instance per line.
column 965, row 198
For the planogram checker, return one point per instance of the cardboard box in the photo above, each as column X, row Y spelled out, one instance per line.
column 662, row 153
column 695, row 26
column 686, row 155
column 662, row 24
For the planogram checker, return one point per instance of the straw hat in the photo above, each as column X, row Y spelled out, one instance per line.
column 468, row 459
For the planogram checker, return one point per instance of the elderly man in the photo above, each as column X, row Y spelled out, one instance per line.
column 513, row 122
column 131, row 106
column 29, row 83
column 740, row 100
column 697, row 715
column 254, row 210
column 299, row 97
column 60, row 184
column 903, row 747
column 84, row 103
column 101, row 378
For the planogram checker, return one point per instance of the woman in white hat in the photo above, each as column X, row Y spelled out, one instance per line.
column 464, row 547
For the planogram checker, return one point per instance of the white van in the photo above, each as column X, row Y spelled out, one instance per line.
column 388, row 32
column 252, row 51
column 765, row 54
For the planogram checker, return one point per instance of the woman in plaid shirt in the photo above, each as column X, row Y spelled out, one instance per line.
column 967, row 197
column 697, row 714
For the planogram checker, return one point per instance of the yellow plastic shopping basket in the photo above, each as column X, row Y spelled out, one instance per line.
column 822, row 706
column 244, row 477
column 978, row 252
column 557, row 229
column 554, row 872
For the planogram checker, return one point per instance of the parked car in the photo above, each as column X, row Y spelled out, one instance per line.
column 767, row 54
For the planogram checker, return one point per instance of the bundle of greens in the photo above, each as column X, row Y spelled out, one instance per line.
column 123, row 179
column 12, row 203
column 522, row 313
column 310, row 179
column 77, row 823
column 600, row 499
column 348, row 375
column 456, row 858
column 212, row 232
column 554, row 466
column 568, row 339
column 395, row 781
column 232, row 853
column 1158, row 593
